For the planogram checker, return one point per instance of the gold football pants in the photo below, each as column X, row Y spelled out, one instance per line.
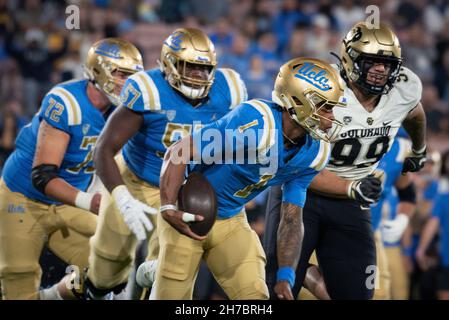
column 25, row 226
column 399, row 276
column 113, row 246
column 383, row 287
column 232, row 251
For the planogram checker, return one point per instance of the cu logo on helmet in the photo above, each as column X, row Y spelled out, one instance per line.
column 308, row 73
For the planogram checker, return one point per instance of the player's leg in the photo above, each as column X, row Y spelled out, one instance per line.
column 112, row 248
column 399, row 276
column 443, row 283
column 346, row 251
column 383, row 290
column 178, row 263
column 314, row 287
column 22, row 236
column 236, row 258
column 72, row 247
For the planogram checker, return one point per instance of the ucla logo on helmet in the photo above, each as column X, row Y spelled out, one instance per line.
column 319, row 80
column 110, row 50
column 203, row 58
column 174, row 41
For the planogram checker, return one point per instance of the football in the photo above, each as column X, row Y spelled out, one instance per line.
column 197, row 196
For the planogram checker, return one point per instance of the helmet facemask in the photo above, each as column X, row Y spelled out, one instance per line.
column 108, row 81
column 363, row 62
column 177, row 72
column 312, row 123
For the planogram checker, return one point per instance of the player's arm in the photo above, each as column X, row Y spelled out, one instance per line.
column 191, row 147
column 407, row 195
column 429, row 232
column 393, row 230
column 122, row 125
column 430, row 229
column 50, row 151
column 366, row 191
column 172, row 176
column 291, row 230
column 289, row 242
column 415, row 125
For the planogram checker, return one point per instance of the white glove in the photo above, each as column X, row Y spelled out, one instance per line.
column 392, row 230
column 134, row 212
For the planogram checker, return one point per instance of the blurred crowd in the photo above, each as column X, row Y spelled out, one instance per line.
column 252, row 36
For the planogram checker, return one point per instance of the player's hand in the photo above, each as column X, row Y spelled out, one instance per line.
column 95, row 203
column 422, row 259
column 135, row 213
column 414, row 162
column 366, row 191
column 283, row 290
column 392, row 230
column 179, row 220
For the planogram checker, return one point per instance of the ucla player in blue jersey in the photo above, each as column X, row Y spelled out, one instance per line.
column 439, row 221
column 388, row 231
column 160, row 106
column 43, row 196
column 273, row 143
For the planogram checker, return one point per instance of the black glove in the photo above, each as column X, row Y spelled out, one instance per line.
column 414, row 162
column 365, row 191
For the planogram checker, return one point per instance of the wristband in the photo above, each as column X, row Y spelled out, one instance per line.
column 83, row 200
column 286, row 274
column 168, row 207
column 420, row 151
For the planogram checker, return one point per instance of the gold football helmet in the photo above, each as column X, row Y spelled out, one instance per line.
column 184, row 49
column 362, row 48
column 302, row 87
column 107, row 56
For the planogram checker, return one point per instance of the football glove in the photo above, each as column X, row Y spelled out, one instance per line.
column 365, row 191
column 134, row 212
column 415, row 161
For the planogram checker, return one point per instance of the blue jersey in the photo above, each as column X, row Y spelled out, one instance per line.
column 168, row 116
column 243, row 153
column 431, row 190
column 67, row 108
column 441, row 211
column 391, row 165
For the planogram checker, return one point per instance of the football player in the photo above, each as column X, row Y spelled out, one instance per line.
column 159, row 107
column 282, row 142
column 382, row 95
column 388, row 232
column 43, row 196
column 438, row 222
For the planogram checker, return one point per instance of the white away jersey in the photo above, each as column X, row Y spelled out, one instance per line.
column 367, row 136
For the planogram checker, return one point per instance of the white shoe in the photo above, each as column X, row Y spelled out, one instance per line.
column 146, row 274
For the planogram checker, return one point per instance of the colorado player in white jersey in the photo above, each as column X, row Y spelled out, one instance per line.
column 382, row 95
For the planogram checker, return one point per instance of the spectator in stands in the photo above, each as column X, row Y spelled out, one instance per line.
column 11, row 121
column 36, row 65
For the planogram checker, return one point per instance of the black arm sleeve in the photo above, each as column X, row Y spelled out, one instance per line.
column 407, row 194
column 42, row 174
